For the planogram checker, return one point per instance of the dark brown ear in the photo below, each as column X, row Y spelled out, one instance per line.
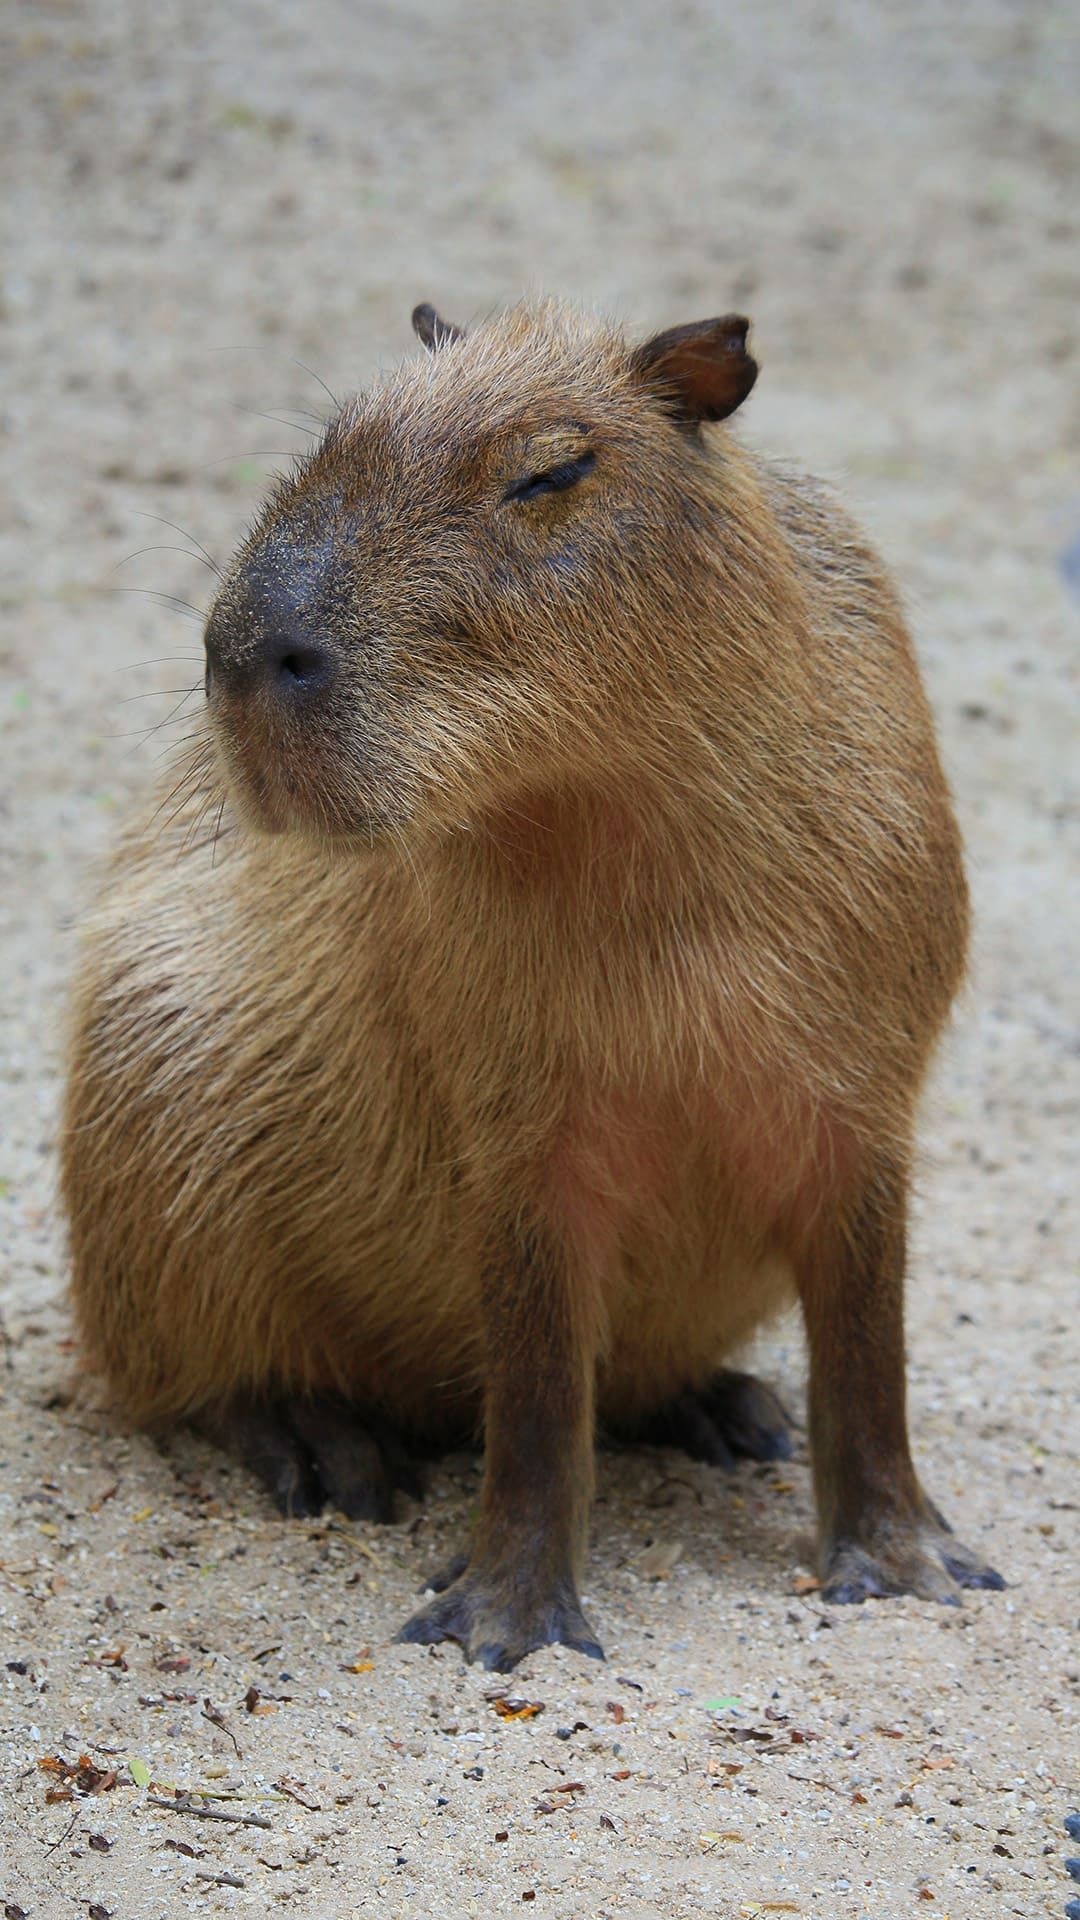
column 433, row 331
column 703, row 369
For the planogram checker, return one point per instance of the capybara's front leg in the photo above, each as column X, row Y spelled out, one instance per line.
column 879, row 1533
column 519, row 1586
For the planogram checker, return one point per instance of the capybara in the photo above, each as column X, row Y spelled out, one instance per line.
column 524, row 986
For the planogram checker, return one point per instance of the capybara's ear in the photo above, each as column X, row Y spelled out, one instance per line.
column 702, row 369
column 432, row 329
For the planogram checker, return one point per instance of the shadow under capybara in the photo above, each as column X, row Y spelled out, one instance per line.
column 524, row 987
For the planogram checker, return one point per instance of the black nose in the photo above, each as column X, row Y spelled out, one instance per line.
column 267, row 632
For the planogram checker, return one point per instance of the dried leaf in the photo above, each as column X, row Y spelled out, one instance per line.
column 617, row 1711
column 805, row 1583
column 82, row 1774
column 360, row 1666
column 560, row 1797
column 296, row 1790
column 510, row 1708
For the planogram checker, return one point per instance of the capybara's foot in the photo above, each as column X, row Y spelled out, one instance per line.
column 498, row 1621
column 316, row 1451
column 920, row 1556
column 732, row 1415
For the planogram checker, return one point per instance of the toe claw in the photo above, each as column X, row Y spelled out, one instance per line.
column 496, row 1624
column 493, row 1659
column 914, row 1554
column 446, row 1576
column 315, row 1450
column 974, row 1577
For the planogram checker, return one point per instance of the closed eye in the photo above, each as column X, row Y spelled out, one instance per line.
column 555, row 480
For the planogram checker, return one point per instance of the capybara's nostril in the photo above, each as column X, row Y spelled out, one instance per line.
column 303, row 670
column 256, row 645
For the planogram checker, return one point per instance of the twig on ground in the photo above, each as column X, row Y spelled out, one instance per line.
column 72, row 1824
column 184, row 1805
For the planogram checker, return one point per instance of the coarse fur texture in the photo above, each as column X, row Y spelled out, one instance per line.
column 527, row 985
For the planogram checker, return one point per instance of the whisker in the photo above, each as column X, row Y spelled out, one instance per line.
column 217, row 832
column 155, row 693
column 198, row 766
column 185, row 534
column 166, row 599
column 278, row 419
column 304, row 368
column 293, row 362
column 180, row 703
column 172, row 747
column 171, row 719
column 196, row 824
column 159, row 547
column 254, row 453
column 147, row 733
column 133, row 666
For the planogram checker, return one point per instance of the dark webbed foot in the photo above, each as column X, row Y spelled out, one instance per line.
column 733, row 1415
column 920, row 1556
column 498, row 1621
column 316, row 1451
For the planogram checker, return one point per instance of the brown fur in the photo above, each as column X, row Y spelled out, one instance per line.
column 582, row 989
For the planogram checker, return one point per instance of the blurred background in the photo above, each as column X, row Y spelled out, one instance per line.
column 197, row 198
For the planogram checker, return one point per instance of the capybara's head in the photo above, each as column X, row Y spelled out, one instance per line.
column 458, row 595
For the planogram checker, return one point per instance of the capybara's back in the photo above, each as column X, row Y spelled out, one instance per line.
column 526, row 985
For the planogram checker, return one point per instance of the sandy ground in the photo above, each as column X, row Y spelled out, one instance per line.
column 195, row 197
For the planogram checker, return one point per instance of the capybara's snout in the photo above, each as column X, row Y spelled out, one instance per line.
column 269, row 635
